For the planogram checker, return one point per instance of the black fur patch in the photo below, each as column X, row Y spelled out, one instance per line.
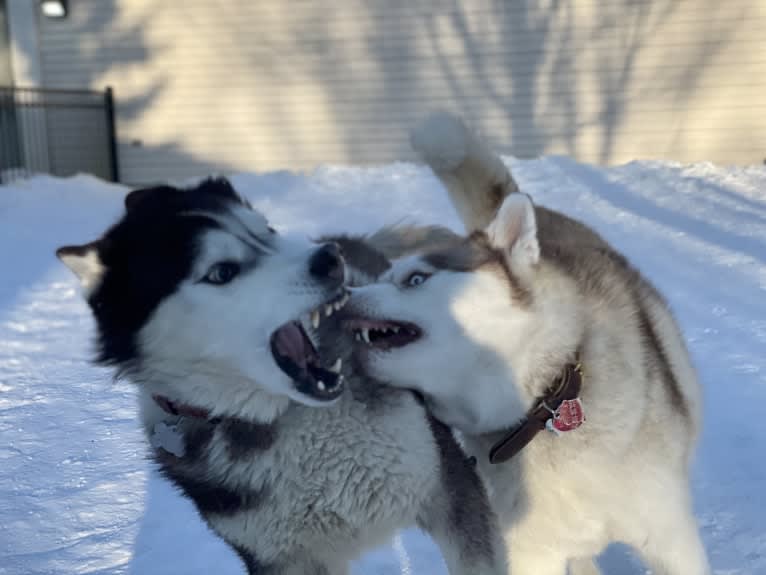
column 196, row 440
column 146, row 254
column 245, row 438
column 211, row 498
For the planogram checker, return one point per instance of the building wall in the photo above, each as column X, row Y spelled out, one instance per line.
column 6, row 72
column 261, row 85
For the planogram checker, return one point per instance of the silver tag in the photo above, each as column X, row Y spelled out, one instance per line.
column 168, row 437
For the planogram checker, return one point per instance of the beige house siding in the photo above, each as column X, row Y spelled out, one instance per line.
column 6, row 72
column 204, row 85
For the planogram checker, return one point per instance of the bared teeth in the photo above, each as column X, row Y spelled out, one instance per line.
column 321, row 386
column 358, row 336
column 338, row 382
column 328, row 309
column 366, row 335
column 337, row 365
column 395, row 329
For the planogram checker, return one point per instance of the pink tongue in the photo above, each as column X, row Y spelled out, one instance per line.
column 290, row 342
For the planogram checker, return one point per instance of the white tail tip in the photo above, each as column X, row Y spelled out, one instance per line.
column 441, row 140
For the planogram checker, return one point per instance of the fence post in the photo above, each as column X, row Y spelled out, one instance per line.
column 11, row 159
column 111, row 131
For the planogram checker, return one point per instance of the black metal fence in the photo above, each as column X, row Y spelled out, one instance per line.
column 59, row 132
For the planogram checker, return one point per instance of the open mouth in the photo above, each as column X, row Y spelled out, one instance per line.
column 295, row 354
column 384, row 334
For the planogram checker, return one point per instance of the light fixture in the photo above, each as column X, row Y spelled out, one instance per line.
column 54, row 8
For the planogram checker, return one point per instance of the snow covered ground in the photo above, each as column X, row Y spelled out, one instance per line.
column 77, row 494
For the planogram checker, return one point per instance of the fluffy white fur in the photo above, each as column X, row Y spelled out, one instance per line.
column 483, row 360
column 223, row 331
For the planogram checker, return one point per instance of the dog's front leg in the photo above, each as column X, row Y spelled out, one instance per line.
column 469, row 547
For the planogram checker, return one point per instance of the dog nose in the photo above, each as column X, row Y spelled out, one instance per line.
column 327, row 263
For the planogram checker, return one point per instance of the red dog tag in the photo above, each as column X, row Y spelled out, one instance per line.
column 568, row 416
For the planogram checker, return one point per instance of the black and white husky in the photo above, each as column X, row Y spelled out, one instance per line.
column 563, row 367
column 215, row 317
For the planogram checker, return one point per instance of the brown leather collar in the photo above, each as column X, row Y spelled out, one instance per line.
column 567, row 387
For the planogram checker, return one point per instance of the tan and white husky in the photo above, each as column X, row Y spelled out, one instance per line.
column 562, row 367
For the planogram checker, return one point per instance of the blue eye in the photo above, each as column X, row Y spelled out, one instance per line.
column 415, row 279
column 222, row 273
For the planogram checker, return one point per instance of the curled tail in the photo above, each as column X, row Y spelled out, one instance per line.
column 475, row 177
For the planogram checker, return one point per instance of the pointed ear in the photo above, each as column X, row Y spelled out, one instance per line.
column 134, row 198
column 514, row 230
column 85, row 263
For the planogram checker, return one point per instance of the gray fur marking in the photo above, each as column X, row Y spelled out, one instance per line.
column 472, row 253
column 360, row 255
column 657, row 359
column 399, row 241
column 465, row 255
column 600, row 271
